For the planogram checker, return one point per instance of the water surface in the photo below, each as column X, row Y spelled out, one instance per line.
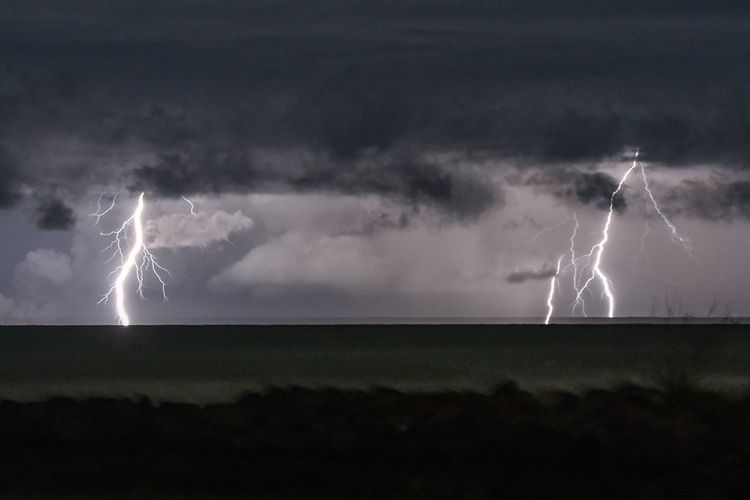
column 217, row 362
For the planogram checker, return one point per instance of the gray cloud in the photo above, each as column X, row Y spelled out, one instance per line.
column 54, row 214
column 10, row 181
column 201, row 171
column 292, row 261
column 711, row 200
column 357, row 127
column 409, row 180
column 588, row 188
column 524, row 275
column 198, row 89
column 197, row 231
column 596, row 189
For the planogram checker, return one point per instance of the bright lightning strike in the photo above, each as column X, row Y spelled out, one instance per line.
column 593, row 259
column 138, row 259
column 598, row 250
column 676, row 236
column 574, row 265
column 192, row 206
column 551, row 295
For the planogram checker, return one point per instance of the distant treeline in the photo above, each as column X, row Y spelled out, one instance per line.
column 629, row 442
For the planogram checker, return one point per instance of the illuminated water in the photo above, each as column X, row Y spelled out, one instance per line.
column 213, row 363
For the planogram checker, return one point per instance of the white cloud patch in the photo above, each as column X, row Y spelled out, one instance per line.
column 46, row 266
column 200, row 230
column 342, row 262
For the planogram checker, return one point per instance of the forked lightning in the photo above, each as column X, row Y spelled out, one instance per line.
column 592, row 261
column 138, row 260
column 598, row 250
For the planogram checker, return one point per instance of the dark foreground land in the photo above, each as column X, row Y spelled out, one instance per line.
column 629, row 442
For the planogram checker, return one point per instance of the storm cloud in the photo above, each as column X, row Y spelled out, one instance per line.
column 596, row 189
column 371, row 158
column 713, row 199
column 409, row 180
column 189, row 96
column 529, row 274
column 10, row 180
column 54, row 214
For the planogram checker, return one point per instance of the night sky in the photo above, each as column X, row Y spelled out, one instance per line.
column 372, row 158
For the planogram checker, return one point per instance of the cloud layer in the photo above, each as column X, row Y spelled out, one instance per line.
column 358, row 157
column 342, row 97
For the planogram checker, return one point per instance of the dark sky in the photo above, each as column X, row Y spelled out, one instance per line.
column 371, row 158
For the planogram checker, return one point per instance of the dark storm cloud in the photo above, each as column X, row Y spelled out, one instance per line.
column 589, row 188
column 10, row 181
column 527, row 274
column 412, row 180
column 596, row 189
column 406, row 179
column 712, row 200
column 54, row 214
column 196, row 172
column 200, row 86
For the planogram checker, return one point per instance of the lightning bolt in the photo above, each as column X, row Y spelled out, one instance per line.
column 192, row 206
column 676, row 236
column 591, row 261
column 99, row 212
column 574, row 265
column 642, row 250
column 598, row 250
column 138, row 260
column 551, row 294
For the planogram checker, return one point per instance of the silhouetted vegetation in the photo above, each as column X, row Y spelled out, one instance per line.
column 628, row 442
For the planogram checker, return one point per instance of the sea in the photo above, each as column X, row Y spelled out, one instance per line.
column 217, row 363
